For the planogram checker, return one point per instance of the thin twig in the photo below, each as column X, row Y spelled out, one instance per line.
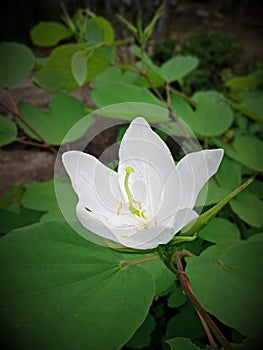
column 149, row 81
column 188, row 290
column 185, row 97
column 207, row 331
column 142, row 260
column 16, row 113
column 31, row 143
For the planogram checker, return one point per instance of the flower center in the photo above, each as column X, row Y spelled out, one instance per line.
column 135, row 207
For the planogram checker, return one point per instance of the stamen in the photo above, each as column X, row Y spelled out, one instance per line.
column 119, row 209
column 142, row 214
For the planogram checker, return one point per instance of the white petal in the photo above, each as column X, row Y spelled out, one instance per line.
column 187, row 179
column 93, row 223
column 110, row 227
column 96, row 185
column 160, row 234
column 144, row 151
column 195, row 169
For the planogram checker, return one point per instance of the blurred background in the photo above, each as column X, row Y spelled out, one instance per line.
column 243, row 19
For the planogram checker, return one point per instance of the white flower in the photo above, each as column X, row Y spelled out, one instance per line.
column 149, row 199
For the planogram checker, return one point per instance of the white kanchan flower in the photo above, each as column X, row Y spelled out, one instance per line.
column 149, row 199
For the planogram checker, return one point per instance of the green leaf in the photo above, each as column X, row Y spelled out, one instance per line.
column 130, row 110
column 203, row 219
column 246, row 150
column 164, row 279
column 57, row 76
column 79, row 67
column 178, row 67
column 136, row 50
column 128, row 24
column 14, row 195
column 182, row 109
column 220, row 231
column 142, row 337
column 256, row 188
column 212, row 115
column 41, row 196
column 99, row 30
column 180, row 343
column 60, row 291
column 49, row 33
column 65, row 112
column 256, row 238
column 228, row 178
column 185, row 324
column 110, row 76
column 148, row 31
column 16, row 216
column 8, row 131
column 253, row 103
column 242, row 83
column 164, row 282
column 177, row 298
column 228, row 285
column 122, row 92
column 16, row 62
column 249, row 208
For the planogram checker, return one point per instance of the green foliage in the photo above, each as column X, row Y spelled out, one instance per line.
column 215, row 52
column 142, row 336
column 177, row 298
column 164, row 50
column 99, row 30
column 64, row 291
column 79, row 66
column 212, row 116
column 16, row 216
column 245, row 150
column 179, row 343
column 42, row 197
column 177, row 68
column 11, row 72
column 185, row 324
column 49, row 33
column 216, row 273
column 249, row 208
column 61, row 291
column 8, row 131
column 220, row 231
column 57, row 76
column 123, row 92
column 228, row 178
column 65, row 111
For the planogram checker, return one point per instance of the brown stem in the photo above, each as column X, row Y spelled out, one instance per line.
column 188, row 290
column 31, row 143
column 16, row 113
column 143, row 260
column 155, row 90
column 207, row 331
column 185, row 97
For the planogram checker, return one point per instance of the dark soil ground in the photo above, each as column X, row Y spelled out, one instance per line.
column 25, row 163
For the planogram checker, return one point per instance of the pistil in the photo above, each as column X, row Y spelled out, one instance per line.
column 138, row 212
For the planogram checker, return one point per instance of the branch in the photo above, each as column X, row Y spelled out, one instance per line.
column 16, row 113
column 186, row 285
column 126, row 263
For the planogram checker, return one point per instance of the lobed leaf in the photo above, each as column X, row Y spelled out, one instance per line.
column 61, row 291
column 227, row 284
